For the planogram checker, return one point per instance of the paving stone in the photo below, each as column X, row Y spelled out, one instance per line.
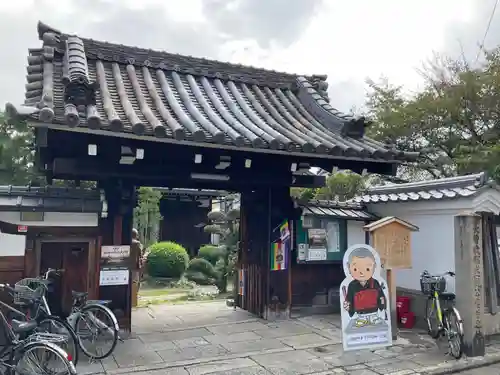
column 174, row 335
column 190, row 342
column 244, row 371
column 235, row 337
column 297, row 362
column 299, row 341
column 391, row 365
column 137, row 359
column 206, row 351
column 109, row 363
column 254, row 346
column 426, row 359
column 339, row 358
column 165, row 371
column 277, row 332
column 220, row 366
column 160, row 345
column 226, row 329
column 87, row 368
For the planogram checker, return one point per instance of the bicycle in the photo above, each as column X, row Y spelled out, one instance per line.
column 89, row 319
column 22, row 357
column 442, row 321
column 30, row 299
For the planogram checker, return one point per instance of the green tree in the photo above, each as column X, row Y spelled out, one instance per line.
column 454, row 120
column 16, row 153
column 340, row 186
column 147, row 215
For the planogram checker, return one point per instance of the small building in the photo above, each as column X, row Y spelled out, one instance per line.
column 432, row 206
column 52, row 227
column 323, row 233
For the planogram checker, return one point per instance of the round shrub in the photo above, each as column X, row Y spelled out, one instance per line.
column 199, row 278
column 203, row 266
column 167, row 259
column 210, row 253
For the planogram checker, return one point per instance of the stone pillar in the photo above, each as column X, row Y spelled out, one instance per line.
column 470, row 295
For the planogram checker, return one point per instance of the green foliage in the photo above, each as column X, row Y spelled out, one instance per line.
column 167, row 259
column 203, row 266
column 452, row 120
column 210, row 252
column 147, row 215
column 223, row 257
column 340, row 186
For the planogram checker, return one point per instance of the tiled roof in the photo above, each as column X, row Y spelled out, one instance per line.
column 74, row 81
column 445, row 188
column 339, row 210
column 51, row 199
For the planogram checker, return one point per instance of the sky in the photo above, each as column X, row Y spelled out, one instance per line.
column 349, row 41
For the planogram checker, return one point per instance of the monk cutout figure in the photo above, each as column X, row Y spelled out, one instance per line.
column 365, row 319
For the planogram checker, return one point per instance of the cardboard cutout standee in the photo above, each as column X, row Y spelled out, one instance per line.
column 364, row 301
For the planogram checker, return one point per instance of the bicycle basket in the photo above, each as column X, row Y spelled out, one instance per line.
column 429, row 285
column 25, row 290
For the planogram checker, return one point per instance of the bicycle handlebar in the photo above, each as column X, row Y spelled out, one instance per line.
column 53, row 270
column 428, row 274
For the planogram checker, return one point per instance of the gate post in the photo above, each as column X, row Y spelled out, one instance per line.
column 470, row 295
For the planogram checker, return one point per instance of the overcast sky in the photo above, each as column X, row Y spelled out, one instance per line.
column 347, row 40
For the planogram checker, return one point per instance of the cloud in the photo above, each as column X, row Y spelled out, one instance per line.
column 149, row 26
column 465, row 36
column 269, row 22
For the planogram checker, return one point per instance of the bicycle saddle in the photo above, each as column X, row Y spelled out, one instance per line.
column 23, row 327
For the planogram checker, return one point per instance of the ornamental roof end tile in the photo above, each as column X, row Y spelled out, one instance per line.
column 79, row 82
column 431, row 190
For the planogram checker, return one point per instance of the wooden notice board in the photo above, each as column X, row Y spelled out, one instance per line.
column 391, row 237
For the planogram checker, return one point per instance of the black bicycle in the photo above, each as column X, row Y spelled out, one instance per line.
column 36, row 354
column 29, row 300
column 442, row 321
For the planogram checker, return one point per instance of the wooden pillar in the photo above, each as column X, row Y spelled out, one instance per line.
column 470, row 295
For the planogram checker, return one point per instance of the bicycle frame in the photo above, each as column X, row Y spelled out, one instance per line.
column 436, row 303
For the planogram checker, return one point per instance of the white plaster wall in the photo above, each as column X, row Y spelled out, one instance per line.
column 12, row 245
column 432, row 246
column 55, row 219
column 355, row 233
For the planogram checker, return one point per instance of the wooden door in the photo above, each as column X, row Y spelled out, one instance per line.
column 73, row 258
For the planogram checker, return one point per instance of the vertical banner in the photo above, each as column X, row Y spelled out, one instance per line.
column 278, row 257
column 364, row 301
column 241, row 282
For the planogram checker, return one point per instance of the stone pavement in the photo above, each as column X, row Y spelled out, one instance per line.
column 210, row 338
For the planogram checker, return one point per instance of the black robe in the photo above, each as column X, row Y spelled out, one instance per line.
column 355, row 286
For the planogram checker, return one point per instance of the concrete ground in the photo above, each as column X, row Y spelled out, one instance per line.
column 210, row 338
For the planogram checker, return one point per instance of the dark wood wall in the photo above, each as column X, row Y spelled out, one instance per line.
column 311, row 280
column 179, row 224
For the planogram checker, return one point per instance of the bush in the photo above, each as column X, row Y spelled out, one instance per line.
column 199, row 278
column 167, row 259
column 203, row 266
column 210, row 252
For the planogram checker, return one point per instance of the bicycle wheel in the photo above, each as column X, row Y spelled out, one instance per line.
column 54, row 324
column 432, row 319
column 42, row 358
column 97, row 331
column 455, row 332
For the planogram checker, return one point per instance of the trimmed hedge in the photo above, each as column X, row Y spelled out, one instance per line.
column 210, row 252
column 167, row 259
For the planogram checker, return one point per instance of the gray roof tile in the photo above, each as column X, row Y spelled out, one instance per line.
column 334, row 209
column 445, row 188
column 75, row 81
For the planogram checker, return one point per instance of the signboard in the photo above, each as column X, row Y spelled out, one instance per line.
column 364, row 301
column 109, row 277
column 302, row 253
column 316, row 254
column 115, row 252
column 22, row 228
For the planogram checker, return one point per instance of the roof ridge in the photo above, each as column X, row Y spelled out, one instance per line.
column 43, row 28
column 478, row 180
